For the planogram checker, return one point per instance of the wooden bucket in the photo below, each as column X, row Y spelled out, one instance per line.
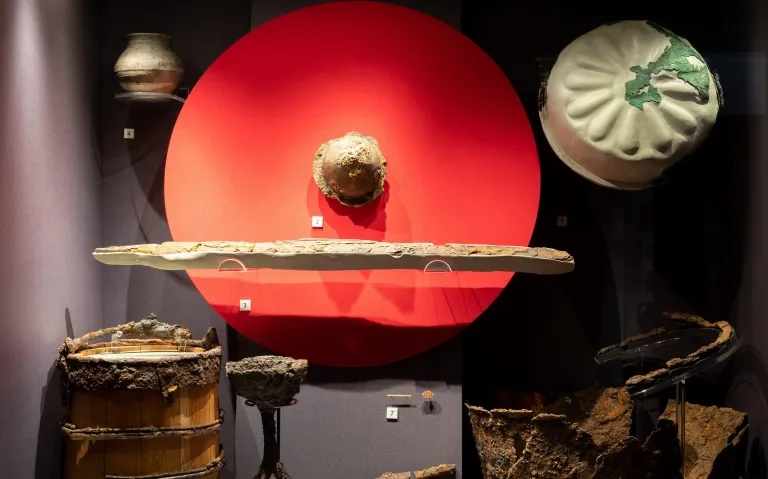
column 142, row 406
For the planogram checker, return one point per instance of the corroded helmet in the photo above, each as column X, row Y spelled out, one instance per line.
column 350, row 169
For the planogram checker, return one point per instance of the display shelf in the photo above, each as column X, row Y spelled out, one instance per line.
column 340, row 255
column 148, row 97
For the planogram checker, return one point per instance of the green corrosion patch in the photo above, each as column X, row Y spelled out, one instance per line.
column 674, row 58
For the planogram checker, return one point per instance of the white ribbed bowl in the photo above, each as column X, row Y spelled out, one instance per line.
column 593, row 125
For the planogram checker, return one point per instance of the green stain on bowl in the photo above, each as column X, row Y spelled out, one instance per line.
column 674, row 58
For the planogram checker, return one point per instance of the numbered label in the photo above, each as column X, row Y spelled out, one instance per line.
column 245, row 305
column 391, row 414
column 317, row 221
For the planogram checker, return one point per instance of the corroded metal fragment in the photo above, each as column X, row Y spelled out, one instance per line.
column 679, row 321
column 149, row 328
column 658, row 458
column 443, row 471
column 267, row 382
column 520, row 444
column 606, row 414
column 715, row 440
column 584, row 435
column 500, row 437
column 556, row 449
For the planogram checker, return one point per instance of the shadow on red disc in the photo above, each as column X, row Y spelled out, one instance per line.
column 462, row 168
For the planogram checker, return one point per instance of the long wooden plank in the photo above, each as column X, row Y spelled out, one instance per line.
column 336, row 255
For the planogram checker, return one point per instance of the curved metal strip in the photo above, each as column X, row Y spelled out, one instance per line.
column 108, row 434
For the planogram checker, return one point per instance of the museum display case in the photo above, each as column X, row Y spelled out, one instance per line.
column 371, row 213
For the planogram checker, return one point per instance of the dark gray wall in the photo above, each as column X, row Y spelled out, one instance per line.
column 448, row 11
column 132, row 199
column 338, row 429
column 747, row 374
column 49, row 222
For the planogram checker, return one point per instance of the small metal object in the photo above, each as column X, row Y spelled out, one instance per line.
column 350, row 169
column 428, row 396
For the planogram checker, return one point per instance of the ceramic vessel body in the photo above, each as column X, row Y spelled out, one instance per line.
column 149, row 65
column 626, row 101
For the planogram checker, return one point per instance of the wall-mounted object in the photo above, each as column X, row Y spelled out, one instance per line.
column 462, row 167
column 268, row 383
column 143, row 404
column 350, row 169
column 148, row 65
column 626, row 101
column 337, row 255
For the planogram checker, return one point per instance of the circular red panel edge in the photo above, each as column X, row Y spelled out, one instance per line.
column 462, row 168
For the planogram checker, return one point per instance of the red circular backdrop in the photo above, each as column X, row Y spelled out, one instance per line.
column 462, row 167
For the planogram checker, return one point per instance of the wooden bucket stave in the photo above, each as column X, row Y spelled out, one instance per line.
column 136, row 430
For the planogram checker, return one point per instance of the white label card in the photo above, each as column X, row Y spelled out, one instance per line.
column 391, row 414
column 245, row 305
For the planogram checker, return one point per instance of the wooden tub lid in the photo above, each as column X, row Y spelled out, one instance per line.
column 149, row 355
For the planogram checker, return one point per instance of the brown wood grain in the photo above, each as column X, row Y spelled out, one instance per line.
column 199, row 405
column 192, row 406
column 85, row 459
column 123, row 457
column 163, row 454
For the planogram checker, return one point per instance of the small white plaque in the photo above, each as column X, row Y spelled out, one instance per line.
column 317, row 221
column 128, row 133
column 391, row 413
column 245, row 305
